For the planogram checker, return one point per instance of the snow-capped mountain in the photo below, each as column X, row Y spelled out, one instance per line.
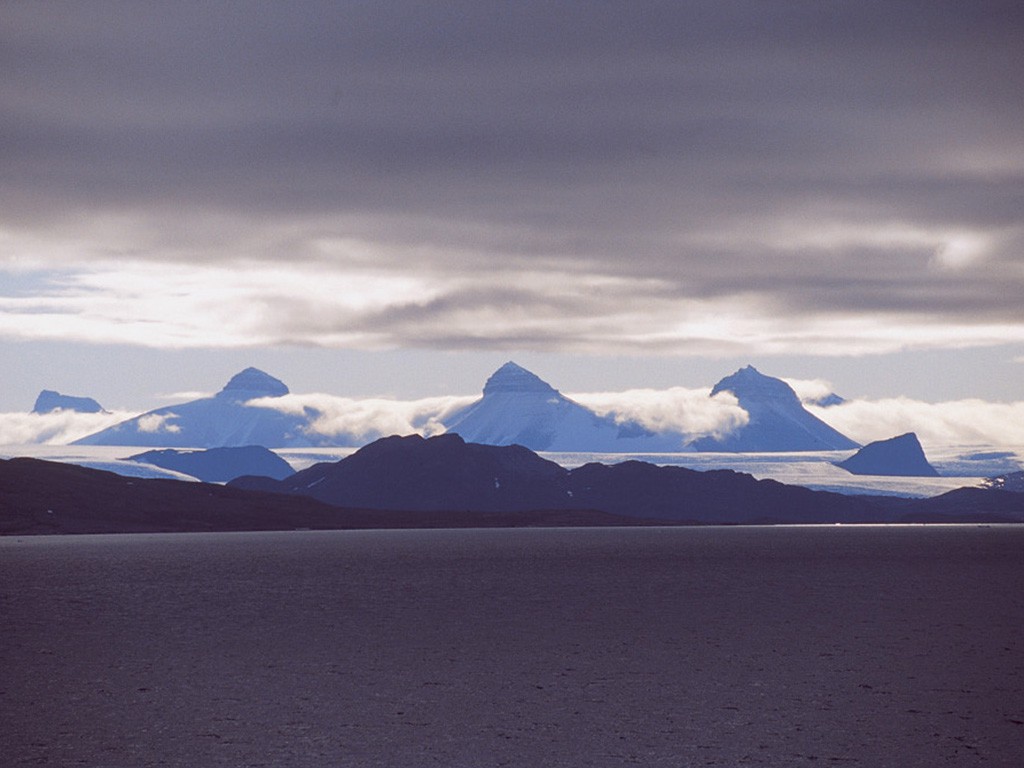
column 778, row 421
column 519, row 408
column 49, row 401
column 213, row 422
column 900, row 456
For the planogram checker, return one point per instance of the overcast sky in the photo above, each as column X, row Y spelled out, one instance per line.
column 626, row 194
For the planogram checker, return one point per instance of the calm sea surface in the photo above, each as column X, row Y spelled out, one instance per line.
column 786, row 646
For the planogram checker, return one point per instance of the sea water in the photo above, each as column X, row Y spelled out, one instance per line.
column 780, row 646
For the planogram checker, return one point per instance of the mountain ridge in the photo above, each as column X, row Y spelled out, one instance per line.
column 446, row 472
column 515, row 407
column 40, row 497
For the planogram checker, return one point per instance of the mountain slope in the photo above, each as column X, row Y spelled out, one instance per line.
column 517, row 407
column 778, row 421
column 214, row 422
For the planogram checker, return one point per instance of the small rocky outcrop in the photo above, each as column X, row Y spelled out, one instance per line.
column 898, row 456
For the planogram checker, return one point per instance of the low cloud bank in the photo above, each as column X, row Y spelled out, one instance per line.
column 689, row 411
column 811, row 391
column 56, row 428
column 957, row 422
column 158, row 422
column 367, row 418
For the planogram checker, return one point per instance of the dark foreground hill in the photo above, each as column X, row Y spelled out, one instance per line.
column 446, row 473
column 39, row 497
column 446, row 483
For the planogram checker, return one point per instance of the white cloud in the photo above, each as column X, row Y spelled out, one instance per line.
column 690, row 411
column 239, row 304
column 55, row 428
column 158, row 422
column 678, row 409
column 957, row 422
column 367, row 418
column 373, row 293
column 810, row 390
column 185, row 396
column 508, row 219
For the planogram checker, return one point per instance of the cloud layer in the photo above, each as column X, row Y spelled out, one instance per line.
column 664, row 178
column 690, row 411
column 959, row 422
column 55, row 428
column 366, row 419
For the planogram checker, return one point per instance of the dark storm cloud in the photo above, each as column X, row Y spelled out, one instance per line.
column 700, row 149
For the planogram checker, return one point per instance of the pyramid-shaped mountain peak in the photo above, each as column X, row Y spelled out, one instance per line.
column 514, row 378
column 254, row 382
column 751, row 383
column 777, row 421
column 519, row 408
column 225, row 420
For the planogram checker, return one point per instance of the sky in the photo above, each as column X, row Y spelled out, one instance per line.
column 391, row 199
